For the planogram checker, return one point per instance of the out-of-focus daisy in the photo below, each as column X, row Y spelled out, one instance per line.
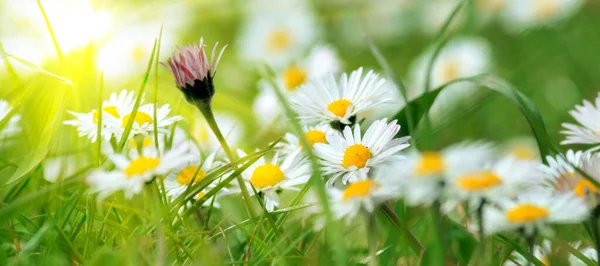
column 327, row 101
column 113, row 109
column 133, row 171
column 533, row 212
column 489, row 9
column 435, row 13
column 270, row 178
column 540, row 252
column 524, row 14
column 504, row 178
column 322, row 61
column 588, row 252
column 460, row 58
column 362, row 195
column 59, row 167
column 588, row 132
column 277, row 37
column 125, row 52
column 232, row 129
column 313, row 134
column 10, row 127
column 144, row 121
column 180, row 179
column 463, row 57
column 423, row 175
column 563, row 176
column 522, row 149
column 351, row 155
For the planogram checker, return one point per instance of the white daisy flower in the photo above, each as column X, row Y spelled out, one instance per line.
column 589, row 131
column 351, row 155
column 313, row 134
column 541, row 252
column 362, row 195
column 322, row 61
column 522, row 149
column 113, row 109
column 144, row 121
column 504, row 178
column 588, row 252
column 134, row 171
column 533, row 212
column 434, row 14
column 562, row 175
column 271, row 178
column 424, row 175
column 59, row 167
column 180, row 179
column 232, row 128
column 524, row 14
column 277, row 37
column 11, row 128
column 326, row 101
column 463, row 57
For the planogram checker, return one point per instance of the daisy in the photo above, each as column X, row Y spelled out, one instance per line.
column 522, row 149
column 424, row 174
column 270, row 179
column 327, row 101
column 313, row 135
column 144, row 120
column 113, row 109
column 541, row 252
column 434, row 14
column 232, row 128
column 362, row 195
column 504, row 178
column 321, row 61
column 178, row 181
column 275, row 36
column 524, row 14
column 351, row 155
column 589, row 131
column 134, row 171
column 60, row 167
column 460, row 58
column 533, row 212
column 10, row 127
column 562, row 175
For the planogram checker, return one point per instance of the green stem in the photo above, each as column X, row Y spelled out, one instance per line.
column 372, row 235
column 481, row 229
column 206, row 111
column 595, row 231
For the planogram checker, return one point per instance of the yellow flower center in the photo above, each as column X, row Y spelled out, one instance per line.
column 525, row 213
column 339, row 107
column 294, row 77
column 450, row 71
column 141, row 165
column 491, row 5
column 112, row 110
column 132, row 143
column 140, row 118
column 546, row 8
column 314, row 136
column 359, row 189
column 522, row 152
column 356, row 155
column 478, row 181
column 279, row 40
column 185, row 176
column 266, row 175
column 545, row 261
column 583, row 187
column 430, row 163
column 200, row 195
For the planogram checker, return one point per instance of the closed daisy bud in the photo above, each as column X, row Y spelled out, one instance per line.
column 194, row 72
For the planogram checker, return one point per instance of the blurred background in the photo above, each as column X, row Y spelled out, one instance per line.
column 54, row 57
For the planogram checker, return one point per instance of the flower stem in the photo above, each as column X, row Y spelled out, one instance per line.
column 481, row 230
column 206, row 111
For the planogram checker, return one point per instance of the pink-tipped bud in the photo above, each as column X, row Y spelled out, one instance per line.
column 194, row 72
